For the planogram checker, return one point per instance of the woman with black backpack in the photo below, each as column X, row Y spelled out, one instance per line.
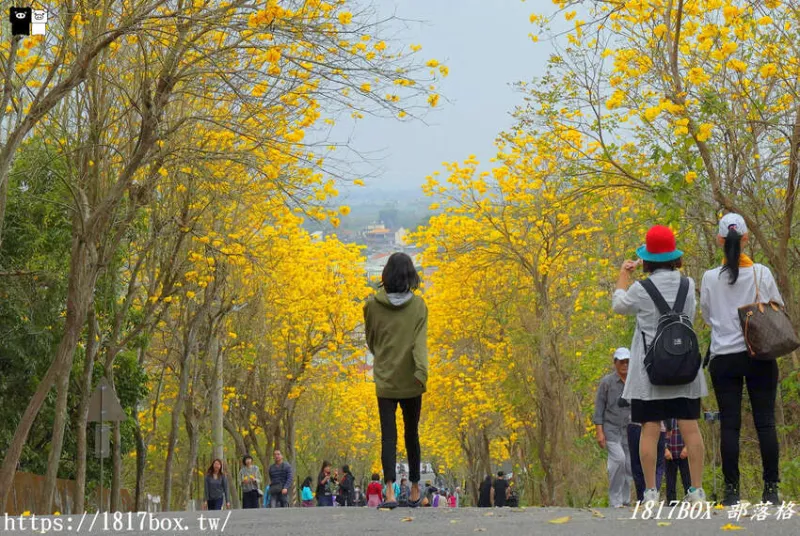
column 736, row 283
column 664, row 379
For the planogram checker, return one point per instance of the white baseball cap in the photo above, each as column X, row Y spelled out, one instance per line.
column 622, row 354
column 732, row 221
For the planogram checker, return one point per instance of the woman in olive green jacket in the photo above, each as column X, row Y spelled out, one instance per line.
column 396, row 325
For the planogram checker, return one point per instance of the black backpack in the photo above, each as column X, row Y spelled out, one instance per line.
column 673, row 357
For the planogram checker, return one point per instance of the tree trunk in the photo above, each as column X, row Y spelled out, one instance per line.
column 141, row 449
column 82, row 275
column 194, row 443
column 56, row 444
column 217, row 427
column 291, row 453
column 83, row 412
column 116, row 468
column 175, row 423
column 141, row 461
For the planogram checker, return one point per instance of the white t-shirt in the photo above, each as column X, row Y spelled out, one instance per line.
column 720, row 302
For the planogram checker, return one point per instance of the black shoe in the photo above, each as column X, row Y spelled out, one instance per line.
column 731, row 495
column 770, row 493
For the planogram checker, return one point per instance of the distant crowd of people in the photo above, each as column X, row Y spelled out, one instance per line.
column 333, row 488
column 647, row 410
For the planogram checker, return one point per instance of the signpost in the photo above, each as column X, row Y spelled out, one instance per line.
column 104, row 406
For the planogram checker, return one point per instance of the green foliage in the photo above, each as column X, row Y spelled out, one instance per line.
column 36, row 243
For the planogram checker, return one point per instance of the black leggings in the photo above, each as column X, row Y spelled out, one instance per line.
column 250, row 499
column 728, row 374
column 411, row 407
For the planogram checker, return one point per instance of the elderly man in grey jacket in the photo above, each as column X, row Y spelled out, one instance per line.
column 611, row 418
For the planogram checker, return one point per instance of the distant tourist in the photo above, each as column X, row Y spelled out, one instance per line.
column 439, row 499
column 250, row 480
column 430, row 491
column 676, row 460
column 281, row 476
column 405, row 490
column 485, row 493
column 306, row 495
column 347, row 486
column 216, row 487
column 324, row 486
column 611, row 421
column 500, row 490
column 375, row 491
column 513, row 498
column 358, row 497
column 396, row 326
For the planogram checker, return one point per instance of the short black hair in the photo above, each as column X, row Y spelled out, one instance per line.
column 399, row 274
column 245, row 458
column 500, row 473
column 649, row 267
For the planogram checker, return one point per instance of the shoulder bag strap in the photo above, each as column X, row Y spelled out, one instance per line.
column 683, row 291
column 655, row 295
column 755, row 280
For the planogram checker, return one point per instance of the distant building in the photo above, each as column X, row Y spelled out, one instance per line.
column 378, row 236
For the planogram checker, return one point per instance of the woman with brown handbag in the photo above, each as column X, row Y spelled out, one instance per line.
column 723, row 291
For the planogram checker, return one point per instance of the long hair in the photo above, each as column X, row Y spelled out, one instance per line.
column 733, row 250
column 322, row 469
column 211, row 468
column 399, row 274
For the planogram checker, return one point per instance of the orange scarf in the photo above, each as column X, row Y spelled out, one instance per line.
column 744, row 261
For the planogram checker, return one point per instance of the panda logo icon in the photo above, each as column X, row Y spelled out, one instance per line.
column 20, row 18
column 39, row 22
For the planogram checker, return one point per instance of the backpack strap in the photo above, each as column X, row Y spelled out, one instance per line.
column 655, row 295
column 683, row 291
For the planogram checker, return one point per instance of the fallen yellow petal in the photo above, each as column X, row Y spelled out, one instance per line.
column 407, row 519
column 664, row 523
column 731, row 526
column 559, row 520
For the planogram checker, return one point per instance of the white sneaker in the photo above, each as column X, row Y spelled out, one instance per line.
column 651, row 495
column 696, row 496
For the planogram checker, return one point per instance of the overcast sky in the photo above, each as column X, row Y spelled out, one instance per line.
column 486, row 45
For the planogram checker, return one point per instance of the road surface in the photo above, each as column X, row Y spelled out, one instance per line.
column 357, row 521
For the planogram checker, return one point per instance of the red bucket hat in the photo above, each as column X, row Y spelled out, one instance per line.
column 659, row 245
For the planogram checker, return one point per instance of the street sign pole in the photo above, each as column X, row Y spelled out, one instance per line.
column 101, row 504
column 104, row 408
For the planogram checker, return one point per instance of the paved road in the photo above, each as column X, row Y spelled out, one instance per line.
column 357, row 521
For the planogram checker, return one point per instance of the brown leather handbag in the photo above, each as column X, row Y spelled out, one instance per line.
column 768, row 331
